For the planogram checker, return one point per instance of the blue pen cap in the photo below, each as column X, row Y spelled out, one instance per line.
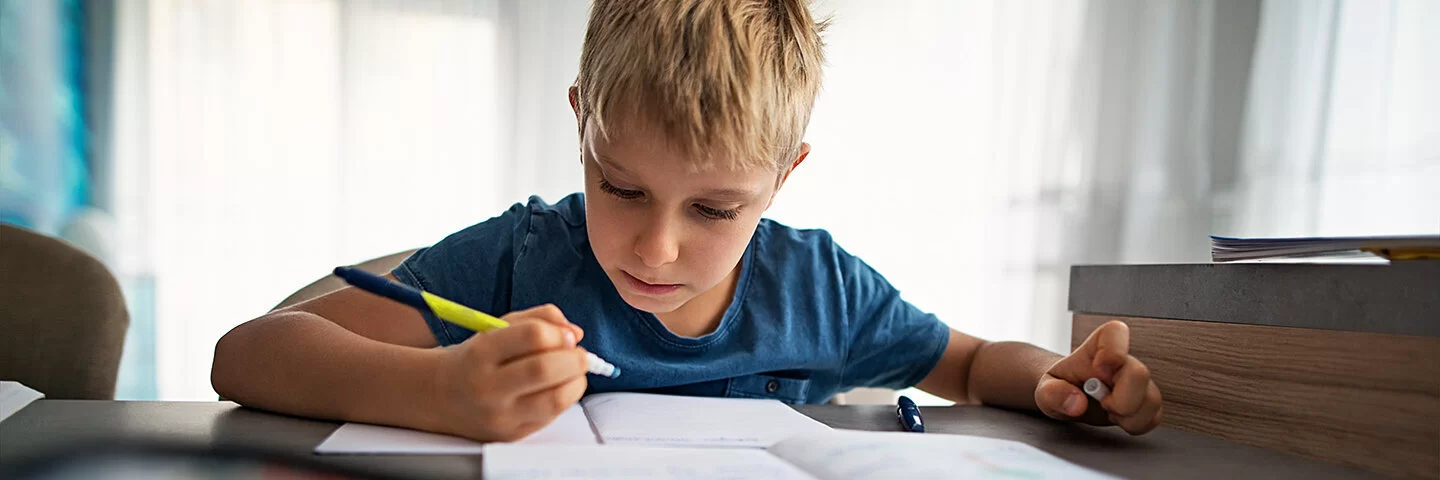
column 909, row 414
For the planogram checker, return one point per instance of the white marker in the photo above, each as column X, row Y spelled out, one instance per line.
column 1096, row 389
column 601, row 367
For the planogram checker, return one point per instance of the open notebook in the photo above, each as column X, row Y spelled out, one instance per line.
column 841, row 454
column 612, row 419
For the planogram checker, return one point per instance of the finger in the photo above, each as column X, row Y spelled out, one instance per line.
column 547, row 404
column 1128, row 392
column 1059, row 399
column 541, row 371
column 1147, row 418
column 1111, row 347
column 522, row 339
column 547, row 313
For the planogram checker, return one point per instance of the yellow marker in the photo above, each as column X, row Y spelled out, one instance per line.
column 462, row 315
column 447, row 310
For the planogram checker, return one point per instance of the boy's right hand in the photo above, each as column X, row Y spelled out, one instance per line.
column 505, row 384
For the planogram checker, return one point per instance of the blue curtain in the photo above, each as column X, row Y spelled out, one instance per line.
column 44, row 166
column 49, row 49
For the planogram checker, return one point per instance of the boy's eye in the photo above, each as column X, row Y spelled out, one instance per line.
column 717, row 214
column 606, row 187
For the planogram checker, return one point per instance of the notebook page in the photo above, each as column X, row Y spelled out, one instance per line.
column 554, row 462
column 571, row 428
column 884, row 455
column 648, row 419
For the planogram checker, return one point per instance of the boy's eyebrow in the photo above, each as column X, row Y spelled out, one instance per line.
column 609, row 165
column 728, row 194
column 715, row 194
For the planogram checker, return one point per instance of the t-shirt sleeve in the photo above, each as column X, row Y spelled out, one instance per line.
column 892, row 343
column 473, row 267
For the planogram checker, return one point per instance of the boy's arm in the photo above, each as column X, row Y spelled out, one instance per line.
column 315, row 358
column 994, row 373
column 353, row 356
column 1020, row 375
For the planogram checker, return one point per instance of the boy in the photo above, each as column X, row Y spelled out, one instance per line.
column 691, row 115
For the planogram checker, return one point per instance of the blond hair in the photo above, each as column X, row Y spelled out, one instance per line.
column 718, row 78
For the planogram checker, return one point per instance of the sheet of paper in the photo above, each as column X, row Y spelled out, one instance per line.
column 554, row 462
column 647, row 419
column 15, row 396
column 882, row 455
column 571, row 427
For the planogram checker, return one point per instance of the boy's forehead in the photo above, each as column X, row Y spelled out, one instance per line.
column 733, row 181
column 630, row 151
column 636, row 136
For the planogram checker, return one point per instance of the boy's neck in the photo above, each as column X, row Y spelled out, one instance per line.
column 702, row 314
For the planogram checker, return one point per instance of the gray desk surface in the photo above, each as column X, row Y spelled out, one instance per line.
column 50, row 425
column 1402, row 298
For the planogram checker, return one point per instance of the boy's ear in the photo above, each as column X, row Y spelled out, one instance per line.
column 575, row 101
column 804, row 152
column 575, row 106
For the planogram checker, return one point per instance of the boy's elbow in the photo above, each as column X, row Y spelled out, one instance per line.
column 225, row 368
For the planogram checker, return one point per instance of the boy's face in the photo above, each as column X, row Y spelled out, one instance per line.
column 664, row 234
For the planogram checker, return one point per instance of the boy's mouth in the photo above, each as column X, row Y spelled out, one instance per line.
column 646, row 288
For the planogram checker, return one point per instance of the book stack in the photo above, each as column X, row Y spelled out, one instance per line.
column 1393, row 248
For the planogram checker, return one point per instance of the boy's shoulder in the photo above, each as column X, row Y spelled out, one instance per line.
column 511, row 228
column 773, row 232
column 802, row 248
column 568, row 210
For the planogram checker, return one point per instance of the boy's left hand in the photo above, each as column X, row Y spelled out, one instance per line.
column 1134, row 400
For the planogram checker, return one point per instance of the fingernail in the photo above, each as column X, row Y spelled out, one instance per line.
column 570, row 338
column 1074, row 403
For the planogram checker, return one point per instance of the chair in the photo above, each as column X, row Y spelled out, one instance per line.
column 330, row 283
column 62, row 315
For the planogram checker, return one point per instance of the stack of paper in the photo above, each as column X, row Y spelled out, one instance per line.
column 1227, row 249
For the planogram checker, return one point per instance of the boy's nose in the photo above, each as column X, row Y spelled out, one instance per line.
column 658, row 244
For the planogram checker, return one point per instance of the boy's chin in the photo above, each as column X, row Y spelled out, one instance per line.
column 652, row 305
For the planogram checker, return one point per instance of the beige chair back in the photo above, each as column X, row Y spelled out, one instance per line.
column 330, row 283
column 62, row 317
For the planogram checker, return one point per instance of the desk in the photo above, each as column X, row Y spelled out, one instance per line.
column 47, row 425
column 1337, row 362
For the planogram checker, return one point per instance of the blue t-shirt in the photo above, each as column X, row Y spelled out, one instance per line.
column 807, row 321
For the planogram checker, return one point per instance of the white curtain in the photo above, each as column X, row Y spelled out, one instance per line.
column 263, row 142
column 1343, row 120
column 970, row 150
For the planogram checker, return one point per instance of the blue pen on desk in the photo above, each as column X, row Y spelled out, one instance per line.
column 446, row 310
column 909, row 415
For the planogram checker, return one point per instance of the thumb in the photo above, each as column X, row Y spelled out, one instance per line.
column 1111, row 348
column 1101, row 355
column 1059, row 399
